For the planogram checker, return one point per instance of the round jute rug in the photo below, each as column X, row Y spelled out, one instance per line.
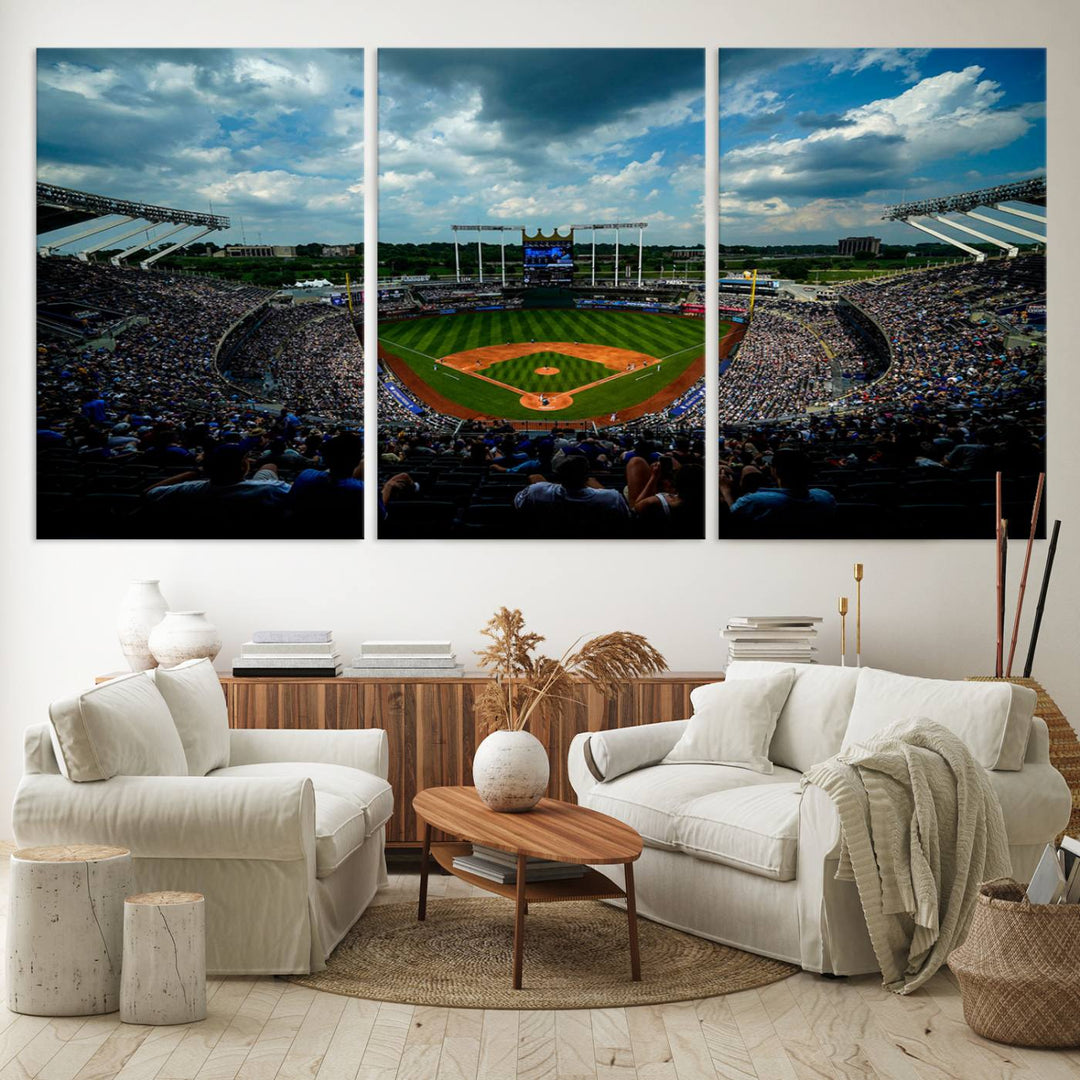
column 576, row 957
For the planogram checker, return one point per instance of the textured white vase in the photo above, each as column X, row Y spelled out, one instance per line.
column 510, row 771
column 184, row 635
column 142, row 608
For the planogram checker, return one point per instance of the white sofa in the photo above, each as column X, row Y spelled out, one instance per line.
column 283, row 834
column 745, row 858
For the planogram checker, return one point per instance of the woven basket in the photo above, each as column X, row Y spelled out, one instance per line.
column 1019, row 969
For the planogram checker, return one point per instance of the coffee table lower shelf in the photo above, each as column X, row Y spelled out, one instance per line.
column 591, row 886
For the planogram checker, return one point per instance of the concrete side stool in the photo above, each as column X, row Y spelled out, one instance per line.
column 65, row 928
column 164, row 979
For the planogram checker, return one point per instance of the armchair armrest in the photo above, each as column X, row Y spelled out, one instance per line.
column 171, row 817
column 596, row 756
column 366, row 749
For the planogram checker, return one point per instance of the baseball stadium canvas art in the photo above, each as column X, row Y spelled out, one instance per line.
column 199, row 303
column 541, row 293
column 882, row 291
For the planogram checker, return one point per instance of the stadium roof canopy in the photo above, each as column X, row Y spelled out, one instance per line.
column 970, row 206
column 1029, row 191
column 59, row 208
column 64, row 208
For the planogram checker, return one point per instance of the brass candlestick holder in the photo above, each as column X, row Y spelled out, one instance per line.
column 858, row 613
column 841, row 607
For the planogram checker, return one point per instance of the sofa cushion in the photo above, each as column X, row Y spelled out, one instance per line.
column 654, row 800
column 119, row 728
column 340, row 828
column 193, row 693
column 992, row 719
column 751, row 828
column 366, row 792
column 733, row 722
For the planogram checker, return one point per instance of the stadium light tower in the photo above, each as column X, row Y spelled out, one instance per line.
column 479, row 230
column 641, row 226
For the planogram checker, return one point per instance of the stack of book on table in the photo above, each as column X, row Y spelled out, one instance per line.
column 405, row 660
column 1057, row 877
column 501, row 866
column 787, row 639
column 289, row 653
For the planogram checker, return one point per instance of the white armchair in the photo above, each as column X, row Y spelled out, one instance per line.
column 286, row 841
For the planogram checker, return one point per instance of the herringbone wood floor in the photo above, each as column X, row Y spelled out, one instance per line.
column 805, row 1027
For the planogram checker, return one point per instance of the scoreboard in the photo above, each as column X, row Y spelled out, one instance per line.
column 547, row 260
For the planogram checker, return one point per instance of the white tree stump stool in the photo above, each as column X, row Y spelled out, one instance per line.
column 164, row 980
column 65, row 929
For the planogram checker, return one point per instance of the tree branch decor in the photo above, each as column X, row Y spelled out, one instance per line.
column 524, row 680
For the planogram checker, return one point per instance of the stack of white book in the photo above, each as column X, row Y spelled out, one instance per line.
column 501, row 866
column 787, row 639
column 1057, row 877
column 405, row 660
column 290, row 653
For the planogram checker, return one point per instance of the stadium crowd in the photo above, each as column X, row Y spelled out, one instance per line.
column 472, row 481
column 913, row 452
column 141, row 437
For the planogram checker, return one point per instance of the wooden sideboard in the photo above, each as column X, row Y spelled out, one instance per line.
column 431, row 726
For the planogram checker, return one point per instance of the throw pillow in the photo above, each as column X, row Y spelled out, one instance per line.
column 992, row 719
column 120, row 728
column 812, row 723
column 193, row 693
column 733, row 722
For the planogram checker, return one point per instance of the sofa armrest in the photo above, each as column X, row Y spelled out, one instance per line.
column 366, row 749
column 1038, row 747
column 596, row 756
column 171, row 817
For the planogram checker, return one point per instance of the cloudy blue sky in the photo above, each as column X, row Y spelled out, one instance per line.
column 540, row 137
column 271, row 136
column 813, row 142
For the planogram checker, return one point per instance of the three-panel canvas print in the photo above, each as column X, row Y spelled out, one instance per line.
column 542, row 293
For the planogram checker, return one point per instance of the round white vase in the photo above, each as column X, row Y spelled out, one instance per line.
column 142, row 608
column 510, row 771
column 184, row 635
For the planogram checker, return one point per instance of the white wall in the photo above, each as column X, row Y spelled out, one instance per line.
column 928, row 606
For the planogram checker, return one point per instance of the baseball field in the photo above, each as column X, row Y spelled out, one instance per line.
column 546, row 364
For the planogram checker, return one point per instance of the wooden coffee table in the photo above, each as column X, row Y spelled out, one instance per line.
column 551, row 830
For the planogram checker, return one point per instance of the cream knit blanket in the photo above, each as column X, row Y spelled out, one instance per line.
column 920, row 830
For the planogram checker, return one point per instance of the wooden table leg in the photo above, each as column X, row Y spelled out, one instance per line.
column 519, row 921
column 631, row 916
column 425, row 858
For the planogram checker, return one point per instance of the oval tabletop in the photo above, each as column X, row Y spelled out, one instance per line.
column 554, row 830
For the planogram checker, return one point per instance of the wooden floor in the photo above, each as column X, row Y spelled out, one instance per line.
column 259, row 1029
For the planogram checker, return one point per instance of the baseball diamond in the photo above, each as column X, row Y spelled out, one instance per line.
column 571, row 365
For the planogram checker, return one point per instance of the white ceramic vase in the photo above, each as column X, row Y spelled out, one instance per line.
column 510, row 771
column 143, row 607
column 184, row 635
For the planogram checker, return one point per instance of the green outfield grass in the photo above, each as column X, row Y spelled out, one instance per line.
column 419, row 342
column 573, row 371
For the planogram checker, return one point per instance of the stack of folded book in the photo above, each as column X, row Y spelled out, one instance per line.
column 501, row 866
column 405, row 660
column 1057, row 877
column 290, row 653
column 787, row 639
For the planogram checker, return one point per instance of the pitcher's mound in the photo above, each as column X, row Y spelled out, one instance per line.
column 547, row 371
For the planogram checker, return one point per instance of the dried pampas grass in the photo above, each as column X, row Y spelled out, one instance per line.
column 523, row 681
